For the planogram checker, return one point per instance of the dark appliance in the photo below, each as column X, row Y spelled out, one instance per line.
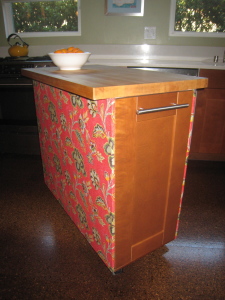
column 18, row 123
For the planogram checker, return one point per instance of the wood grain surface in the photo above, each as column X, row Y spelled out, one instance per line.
column 150, row 155
column 101, row 82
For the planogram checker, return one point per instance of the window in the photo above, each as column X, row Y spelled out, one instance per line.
column 204, row 18
column 42, row 18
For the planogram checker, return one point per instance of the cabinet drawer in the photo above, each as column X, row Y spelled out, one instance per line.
column 216, row 78
column 156, row 101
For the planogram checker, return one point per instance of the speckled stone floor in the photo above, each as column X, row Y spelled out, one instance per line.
column 43, row 255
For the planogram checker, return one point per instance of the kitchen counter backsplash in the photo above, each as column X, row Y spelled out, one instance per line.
column 143, row 55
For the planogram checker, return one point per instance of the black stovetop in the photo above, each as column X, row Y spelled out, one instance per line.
column 10, row 67
column 25, row 58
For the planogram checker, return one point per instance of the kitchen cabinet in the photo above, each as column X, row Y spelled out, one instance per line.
column 117, row 171
column 149, row 173
column 208, row 140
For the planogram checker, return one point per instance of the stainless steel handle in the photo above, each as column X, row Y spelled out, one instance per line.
column 157, row 109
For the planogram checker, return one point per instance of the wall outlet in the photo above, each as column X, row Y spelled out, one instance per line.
column 150, row 33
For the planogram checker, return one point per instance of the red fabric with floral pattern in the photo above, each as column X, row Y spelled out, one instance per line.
column 187, row 155
column 77, row 146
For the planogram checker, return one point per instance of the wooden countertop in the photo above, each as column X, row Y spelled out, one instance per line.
column 101, row 82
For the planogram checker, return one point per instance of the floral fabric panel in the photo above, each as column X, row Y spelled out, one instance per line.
column 187, row 155
column 77, row 147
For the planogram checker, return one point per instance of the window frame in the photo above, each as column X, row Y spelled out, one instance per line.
column 9, row 26
column 175, row 33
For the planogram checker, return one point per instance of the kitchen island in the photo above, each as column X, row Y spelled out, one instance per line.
column 114, row 145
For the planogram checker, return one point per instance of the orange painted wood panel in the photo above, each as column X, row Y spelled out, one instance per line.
column 125, row 116
column 216, row 78
column 150, row 161
column 208, row 141
column 213, row 134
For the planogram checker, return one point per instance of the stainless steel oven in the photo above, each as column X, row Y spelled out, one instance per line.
column 18, row 124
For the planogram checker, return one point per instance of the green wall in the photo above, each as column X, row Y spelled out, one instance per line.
column 97, row 28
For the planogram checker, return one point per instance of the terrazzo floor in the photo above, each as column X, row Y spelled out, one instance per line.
column 43, row 255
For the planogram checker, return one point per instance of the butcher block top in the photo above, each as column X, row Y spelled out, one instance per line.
column 101, row 82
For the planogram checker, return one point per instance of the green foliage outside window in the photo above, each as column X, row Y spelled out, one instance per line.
column 200, row 15
column 45, row 16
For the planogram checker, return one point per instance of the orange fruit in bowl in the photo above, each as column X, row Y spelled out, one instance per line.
column 79, row 51
column 64, row 51
column 61, row 51
column 69, row 50
column 57, row 51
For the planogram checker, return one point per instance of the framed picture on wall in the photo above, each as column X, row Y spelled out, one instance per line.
column 124, row 7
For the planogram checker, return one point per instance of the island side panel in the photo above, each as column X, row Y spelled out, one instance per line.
column 77, row 147
column 125, row 135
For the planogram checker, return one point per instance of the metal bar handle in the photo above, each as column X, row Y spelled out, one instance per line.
column 142, row 111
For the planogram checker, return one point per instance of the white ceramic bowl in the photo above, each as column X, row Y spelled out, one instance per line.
column 69, row 61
